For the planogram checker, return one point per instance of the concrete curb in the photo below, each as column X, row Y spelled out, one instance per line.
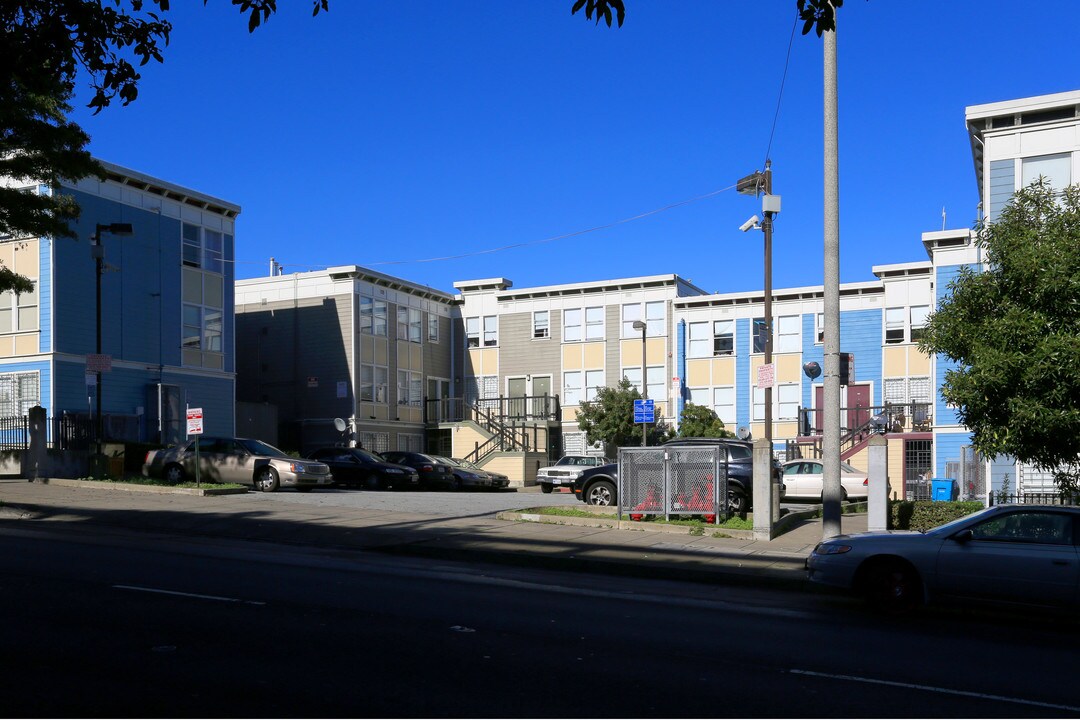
column 135, row 487
column 633, row 525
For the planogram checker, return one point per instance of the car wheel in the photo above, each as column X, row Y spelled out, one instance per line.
column 266, row 479
column 736, row 501
column 458, row 484
column 892, row 586
column 546, row 488
column 370, row 482
column 174, row 474
column 843, row 495
column 600, row 492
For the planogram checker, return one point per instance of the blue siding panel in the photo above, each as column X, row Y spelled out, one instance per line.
column 947, row 447
column 944, row 415
column 811, row 352
column 45, row 285
column 742, row 372
column 860, row 335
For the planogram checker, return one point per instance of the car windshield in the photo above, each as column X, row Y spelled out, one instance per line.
column 365, row 455
column 950, row 526
column 567, row 461
column 258, row 447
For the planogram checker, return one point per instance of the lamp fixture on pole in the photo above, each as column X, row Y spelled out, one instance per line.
column 97, row 252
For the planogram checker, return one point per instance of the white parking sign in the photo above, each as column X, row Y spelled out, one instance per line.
column 194, row 421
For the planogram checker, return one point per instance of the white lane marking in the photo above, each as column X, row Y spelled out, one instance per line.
column 190, row 595
column 931, row 688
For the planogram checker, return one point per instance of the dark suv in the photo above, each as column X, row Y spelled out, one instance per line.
column 599, row 486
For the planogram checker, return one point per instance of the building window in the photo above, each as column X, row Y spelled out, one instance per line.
column 630, row 314
column 819, row 328
column 410, row 442
column 409, row 388
column 723, row 337
column 18, row 393
column 472, row 332
column 19, row 313
column 1057, row 169
column 654, row 318
column 594, row 380
column 572, row 325
column 594, row 323
column 787, row 334
column 432, row 327
column 491, row 330
column 402, row 323
column 203, row 248
column 416, row 319
column 372, row 316
column 541, row 325
column 572, row 388
column 894, row 326
column 723, row 404
column 655, row 378
column 699, row 340
column 374, row 441
column 374, row 383
column 919, row 314
column 895, row 391
column 761, row 335
column 700, row 396
column 202, row 314
column 787, row 401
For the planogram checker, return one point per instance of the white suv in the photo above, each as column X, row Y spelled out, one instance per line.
column 566, row 470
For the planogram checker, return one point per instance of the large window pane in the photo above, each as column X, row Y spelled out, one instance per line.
column 699, row 339
column 723, row 337
column 594, row 323
column 571, row 325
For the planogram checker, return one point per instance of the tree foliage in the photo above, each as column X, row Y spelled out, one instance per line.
column 1014, row 330
column 610, row 418
column 817, row 15
column 701, row 421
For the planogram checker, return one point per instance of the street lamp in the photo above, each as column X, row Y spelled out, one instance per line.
column 640, row 325
column 97, row 251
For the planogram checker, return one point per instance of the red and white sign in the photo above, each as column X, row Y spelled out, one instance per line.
column 98, row 363
column 766, row 376
column 194, row 421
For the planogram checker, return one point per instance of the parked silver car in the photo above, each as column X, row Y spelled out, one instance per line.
column 236, row 460
column 1021, row 554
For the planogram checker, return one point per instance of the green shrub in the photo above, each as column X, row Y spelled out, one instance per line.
column 922, row 515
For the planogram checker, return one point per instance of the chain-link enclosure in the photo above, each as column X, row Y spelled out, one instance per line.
column 673, row 481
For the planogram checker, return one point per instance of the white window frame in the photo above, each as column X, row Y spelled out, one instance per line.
column 433, row 327
column 203, row 248
column 21, row 311
column 572, row 388
column 917, row 317
column 723, row 404
column 894, row 322
column 541, row 324
column 655, row 318
column 491, row 330
column 722, row 329
column 1057, row 168
column 19, row 391
column 631, row 313
column 594, row 323
column 572, row 325
column 594, row 380
column 472, row 332
column 416, row 327
column 788, row 334
column 699, row 340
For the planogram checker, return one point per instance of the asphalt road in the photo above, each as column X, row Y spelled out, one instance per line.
column 111, row 624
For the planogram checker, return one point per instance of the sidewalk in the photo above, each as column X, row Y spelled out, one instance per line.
column 484, row 538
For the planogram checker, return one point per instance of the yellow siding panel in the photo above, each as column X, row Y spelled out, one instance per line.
column 655, row 351
column 367, row 349
column 27, row 259
column 788, row 367
column 416, row 356
column 630, row 352
column 490, row 361
column 698, row 373
column 918, row 363
column 26, row 344
column 6, row 346
column 571, row 357
column 569, row 414
column 780, row 430
column 593, row 355
column 895, row 362
column 723, row 371
column 401, row 347
column 896, row 468
column 7, row 255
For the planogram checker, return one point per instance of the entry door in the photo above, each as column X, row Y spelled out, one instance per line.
column 438, row 389
column 858, row 405
column 516, row 390
column 543, row 401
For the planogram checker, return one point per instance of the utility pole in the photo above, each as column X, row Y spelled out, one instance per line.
column 766, row 226
column 830, row 444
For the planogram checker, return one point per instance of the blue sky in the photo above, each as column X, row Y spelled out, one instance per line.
column 389, row 134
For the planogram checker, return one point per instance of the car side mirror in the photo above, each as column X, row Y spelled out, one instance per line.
column 964, row 536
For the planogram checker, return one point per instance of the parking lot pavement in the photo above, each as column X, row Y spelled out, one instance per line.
column 441, row 525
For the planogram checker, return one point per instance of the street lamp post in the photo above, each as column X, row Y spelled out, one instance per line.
column 97, row 251
column 639, row 325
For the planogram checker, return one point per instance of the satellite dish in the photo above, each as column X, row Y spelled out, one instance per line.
column 340, row 425
column 743, row 432
column 812, row 370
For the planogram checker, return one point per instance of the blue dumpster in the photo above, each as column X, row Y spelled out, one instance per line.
column 944, row 489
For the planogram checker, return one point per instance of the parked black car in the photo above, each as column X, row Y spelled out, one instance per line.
column 599, row 485
column 358, row 467
column 433, row 474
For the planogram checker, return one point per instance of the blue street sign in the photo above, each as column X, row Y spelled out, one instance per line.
column 644, row 411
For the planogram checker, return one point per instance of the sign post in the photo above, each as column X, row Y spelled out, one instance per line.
column 195, row 427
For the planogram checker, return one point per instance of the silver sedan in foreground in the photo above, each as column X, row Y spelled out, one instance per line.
column 1014, row 554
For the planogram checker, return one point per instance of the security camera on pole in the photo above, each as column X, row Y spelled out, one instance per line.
column 756, row 184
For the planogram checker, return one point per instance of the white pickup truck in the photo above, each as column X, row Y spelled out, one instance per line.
column 563, row 473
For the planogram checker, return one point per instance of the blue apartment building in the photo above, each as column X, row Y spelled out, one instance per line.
column 167, row 311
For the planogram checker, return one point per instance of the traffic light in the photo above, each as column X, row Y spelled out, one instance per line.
column 847, row 368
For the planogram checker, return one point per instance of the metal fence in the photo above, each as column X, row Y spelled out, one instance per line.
column 969, row 471
column 1001, row 498
column 673, row 481
column 67, row 432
